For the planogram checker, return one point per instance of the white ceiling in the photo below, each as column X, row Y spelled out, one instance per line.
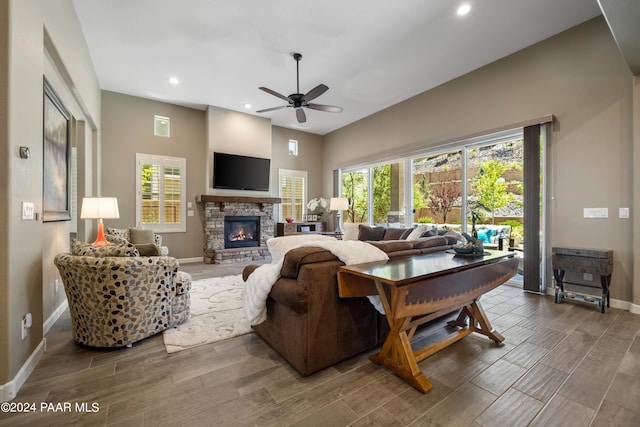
column 371, row 54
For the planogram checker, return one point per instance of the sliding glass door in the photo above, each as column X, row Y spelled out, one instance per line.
column 490, row 184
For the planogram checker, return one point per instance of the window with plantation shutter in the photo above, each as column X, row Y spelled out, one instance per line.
column 293, row 192
column 161, row 192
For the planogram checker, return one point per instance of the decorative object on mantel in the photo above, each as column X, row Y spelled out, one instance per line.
column 217, row 313
column 317, row 206
column 289, row 220
column 100, row 208
column 338, row 204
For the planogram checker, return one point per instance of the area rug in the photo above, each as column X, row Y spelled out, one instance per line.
column 216, row 314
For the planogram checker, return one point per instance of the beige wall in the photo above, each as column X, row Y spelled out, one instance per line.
column 309, row 158
column 578, row 76
column 26, row 271
column 128, row 129
column 236, row 133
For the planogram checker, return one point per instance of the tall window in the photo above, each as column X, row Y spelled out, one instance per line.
column 376, row 194
column 161, row 192
column 293, row 192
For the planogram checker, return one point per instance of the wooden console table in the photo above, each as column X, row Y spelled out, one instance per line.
column 289, row 228
column 415, row 290
column 591, row 261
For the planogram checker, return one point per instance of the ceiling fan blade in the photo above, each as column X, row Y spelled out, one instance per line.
column 300, row 115
column 274, row 93
column 327, row 108
column 273, row 109
column 315, row 92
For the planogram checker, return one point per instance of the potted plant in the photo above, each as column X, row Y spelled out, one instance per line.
column 477, row 212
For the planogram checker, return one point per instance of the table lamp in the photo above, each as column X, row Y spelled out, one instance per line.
column 338, row 204
column 100, row 208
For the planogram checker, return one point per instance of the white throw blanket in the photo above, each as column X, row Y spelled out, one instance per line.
column 259, row 283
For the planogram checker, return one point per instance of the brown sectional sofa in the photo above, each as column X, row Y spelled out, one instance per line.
column 309, row 325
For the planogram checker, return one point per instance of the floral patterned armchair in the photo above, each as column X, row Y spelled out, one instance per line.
column 116, row 299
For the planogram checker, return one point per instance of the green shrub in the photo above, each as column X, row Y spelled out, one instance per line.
column 512, row 222
column 426, row 220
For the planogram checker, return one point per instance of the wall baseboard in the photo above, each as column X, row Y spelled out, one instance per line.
column 189, row 260
column 48, row 324
column 9, row 390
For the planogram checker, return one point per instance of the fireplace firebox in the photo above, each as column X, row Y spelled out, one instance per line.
column 241, row 231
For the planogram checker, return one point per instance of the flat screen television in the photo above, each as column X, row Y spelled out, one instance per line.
column 235, row 172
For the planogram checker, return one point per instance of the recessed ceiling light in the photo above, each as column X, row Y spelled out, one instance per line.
column 173, row 80
column 464, row 9
column 247, row 105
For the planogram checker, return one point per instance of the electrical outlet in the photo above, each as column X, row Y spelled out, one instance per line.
column 587, row 276
column 26, row 323
column 24, row 328
column 56, row 285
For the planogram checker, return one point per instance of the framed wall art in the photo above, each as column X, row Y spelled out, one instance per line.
column 56, row 152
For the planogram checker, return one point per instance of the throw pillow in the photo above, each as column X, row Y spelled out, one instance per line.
column 139, row 236
column 350, row 231
column 366, row 232
column 430, row 233
column 406, row 233
column 417, row 232
column 279, row 246
column 148, row 249
column 394, row 233
column 485, row 235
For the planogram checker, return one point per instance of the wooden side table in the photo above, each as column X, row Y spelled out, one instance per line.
column 289, row 228
column 598, row 262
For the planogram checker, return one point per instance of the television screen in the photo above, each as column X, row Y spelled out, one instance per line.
column 236, row 172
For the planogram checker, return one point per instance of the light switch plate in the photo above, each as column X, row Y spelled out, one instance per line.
column 596, row 212
column 28, row 211
column 623, row 213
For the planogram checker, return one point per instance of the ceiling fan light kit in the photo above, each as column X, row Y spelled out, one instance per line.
column 300, row 101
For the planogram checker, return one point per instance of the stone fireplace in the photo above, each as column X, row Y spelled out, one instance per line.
column 236, row 229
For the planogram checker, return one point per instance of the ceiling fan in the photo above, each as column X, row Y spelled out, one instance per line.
column 300, row 101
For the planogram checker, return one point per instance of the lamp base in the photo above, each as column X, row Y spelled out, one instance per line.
column 101, row 240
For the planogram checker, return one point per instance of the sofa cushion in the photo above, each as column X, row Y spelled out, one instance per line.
column 367, row 232
column 297, row 257
column 140, row 236
column 431, row 242
column 79, row 248
column 389, row 246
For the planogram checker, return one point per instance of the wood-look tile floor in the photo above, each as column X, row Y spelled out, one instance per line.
column 560, row 365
